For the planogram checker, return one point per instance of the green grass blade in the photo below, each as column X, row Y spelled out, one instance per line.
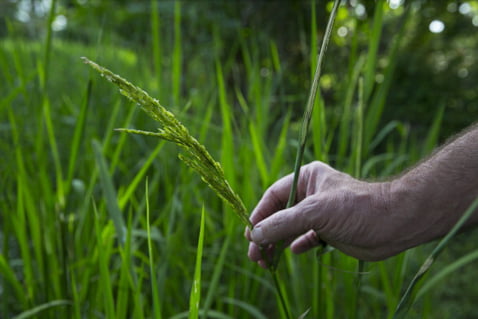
column 227, row 140
column 109, row 193
column 216, row 276
column 77, row 136
column 359, row 133
column 104, row 253
column 376, row 102
column 313, row 39
column 359, row 282
column 409, row 296
column 139, row 176
column 36, row 310
column 54, row 150
column 374, row 41
column 346, row 118
column 278, row 157
column 211, row 315
column 47, row 48
column 152, row 274
column 251, row 309
column 433, row 134
column 127, row 276
column 195, row 296
column 177, row 54
column 311, row 103
column 319, row 129
column 259, row 151
column 156, row 45
column 9, row 275
column 445, row 271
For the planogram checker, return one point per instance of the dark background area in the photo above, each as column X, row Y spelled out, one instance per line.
column 433, row 70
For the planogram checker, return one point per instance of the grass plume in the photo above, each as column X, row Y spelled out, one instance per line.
column 194, row 153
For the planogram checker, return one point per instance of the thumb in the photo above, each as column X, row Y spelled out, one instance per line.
column 285, row 224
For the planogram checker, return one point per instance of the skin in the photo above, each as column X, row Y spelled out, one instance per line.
column 369, row 220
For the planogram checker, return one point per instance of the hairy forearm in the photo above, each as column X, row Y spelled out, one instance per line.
column 432, row 196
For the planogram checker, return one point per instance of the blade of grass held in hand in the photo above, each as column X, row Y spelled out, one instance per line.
column 305, row 124
column 195, row 154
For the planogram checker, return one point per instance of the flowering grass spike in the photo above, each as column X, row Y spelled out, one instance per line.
column 195, row 154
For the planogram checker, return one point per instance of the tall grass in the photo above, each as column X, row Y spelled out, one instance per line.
column 80, row 236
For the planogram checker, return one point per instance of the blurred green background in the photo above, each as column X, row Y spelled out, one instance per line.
column 434, row 68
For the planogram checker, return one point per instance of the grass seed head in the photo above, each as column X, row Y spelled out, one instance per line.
column 194, row 155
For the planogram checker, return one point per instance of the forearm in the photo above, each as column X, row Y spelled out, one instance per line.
column 432, row 196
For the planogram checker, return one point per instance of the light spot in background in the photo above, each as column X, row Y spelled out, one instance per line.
column 379, row 77
column 436, row 26
column 395, row 4
column 26, row 8
column 360, row 10
column 23, row 11
column 265, row 72
column 451, row 7
column 465, row 8
column 327, row 81
column 463, row 73
column 59, row 23
column 475, row 21
column 342, row 31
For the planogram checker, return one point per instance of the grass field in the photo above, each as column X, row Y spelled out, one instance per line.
column 101, row 224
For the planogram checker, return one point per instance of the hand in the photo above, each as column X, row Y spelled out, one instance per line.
column 350, row 215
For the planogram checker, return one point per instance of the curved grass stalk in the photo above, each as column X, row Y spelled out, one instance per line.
column 306, row 124
column 274, row 261
column 409, row 296
column 194, row 153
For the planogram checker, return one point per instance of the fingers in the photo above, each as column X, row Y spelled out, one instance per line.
column 286, row 224
column 305, row 242
column 273, row 200
column 273, row 224
column 259, row 254
column 263, row 254
column 276, row 196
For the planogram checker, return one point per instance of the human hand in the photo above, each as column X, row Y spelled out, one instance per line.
column 351, row 215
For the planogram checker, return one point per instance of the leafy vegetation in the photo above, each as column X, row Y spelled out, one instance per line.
column 96, row 223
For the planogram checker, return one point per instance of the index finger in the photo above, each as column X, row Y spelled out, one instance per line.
column 274, row 199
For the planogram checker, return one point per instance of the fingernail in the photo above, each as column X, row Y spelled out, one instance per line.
column 257, row 235
column 247, row 233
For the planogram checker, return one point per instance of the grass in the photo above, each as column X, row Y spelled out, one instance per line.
column 82, row 238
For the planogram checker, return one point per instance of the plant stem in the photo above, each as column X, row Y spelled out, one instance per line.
column 305, row 127
column 281, row 294
column 409, row 296
column 274, row 262
column 310, row 105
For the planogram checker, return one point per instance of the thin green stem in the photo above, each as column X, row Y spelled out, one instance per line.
column 281, row 294
column 305, row 126
column 360, row 272
column 409, row 296
column 274, row 262
column 310, row 105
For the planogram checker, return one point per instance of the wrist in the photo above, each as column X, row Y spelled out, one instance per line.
column 398, row 226
column 412, row 208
